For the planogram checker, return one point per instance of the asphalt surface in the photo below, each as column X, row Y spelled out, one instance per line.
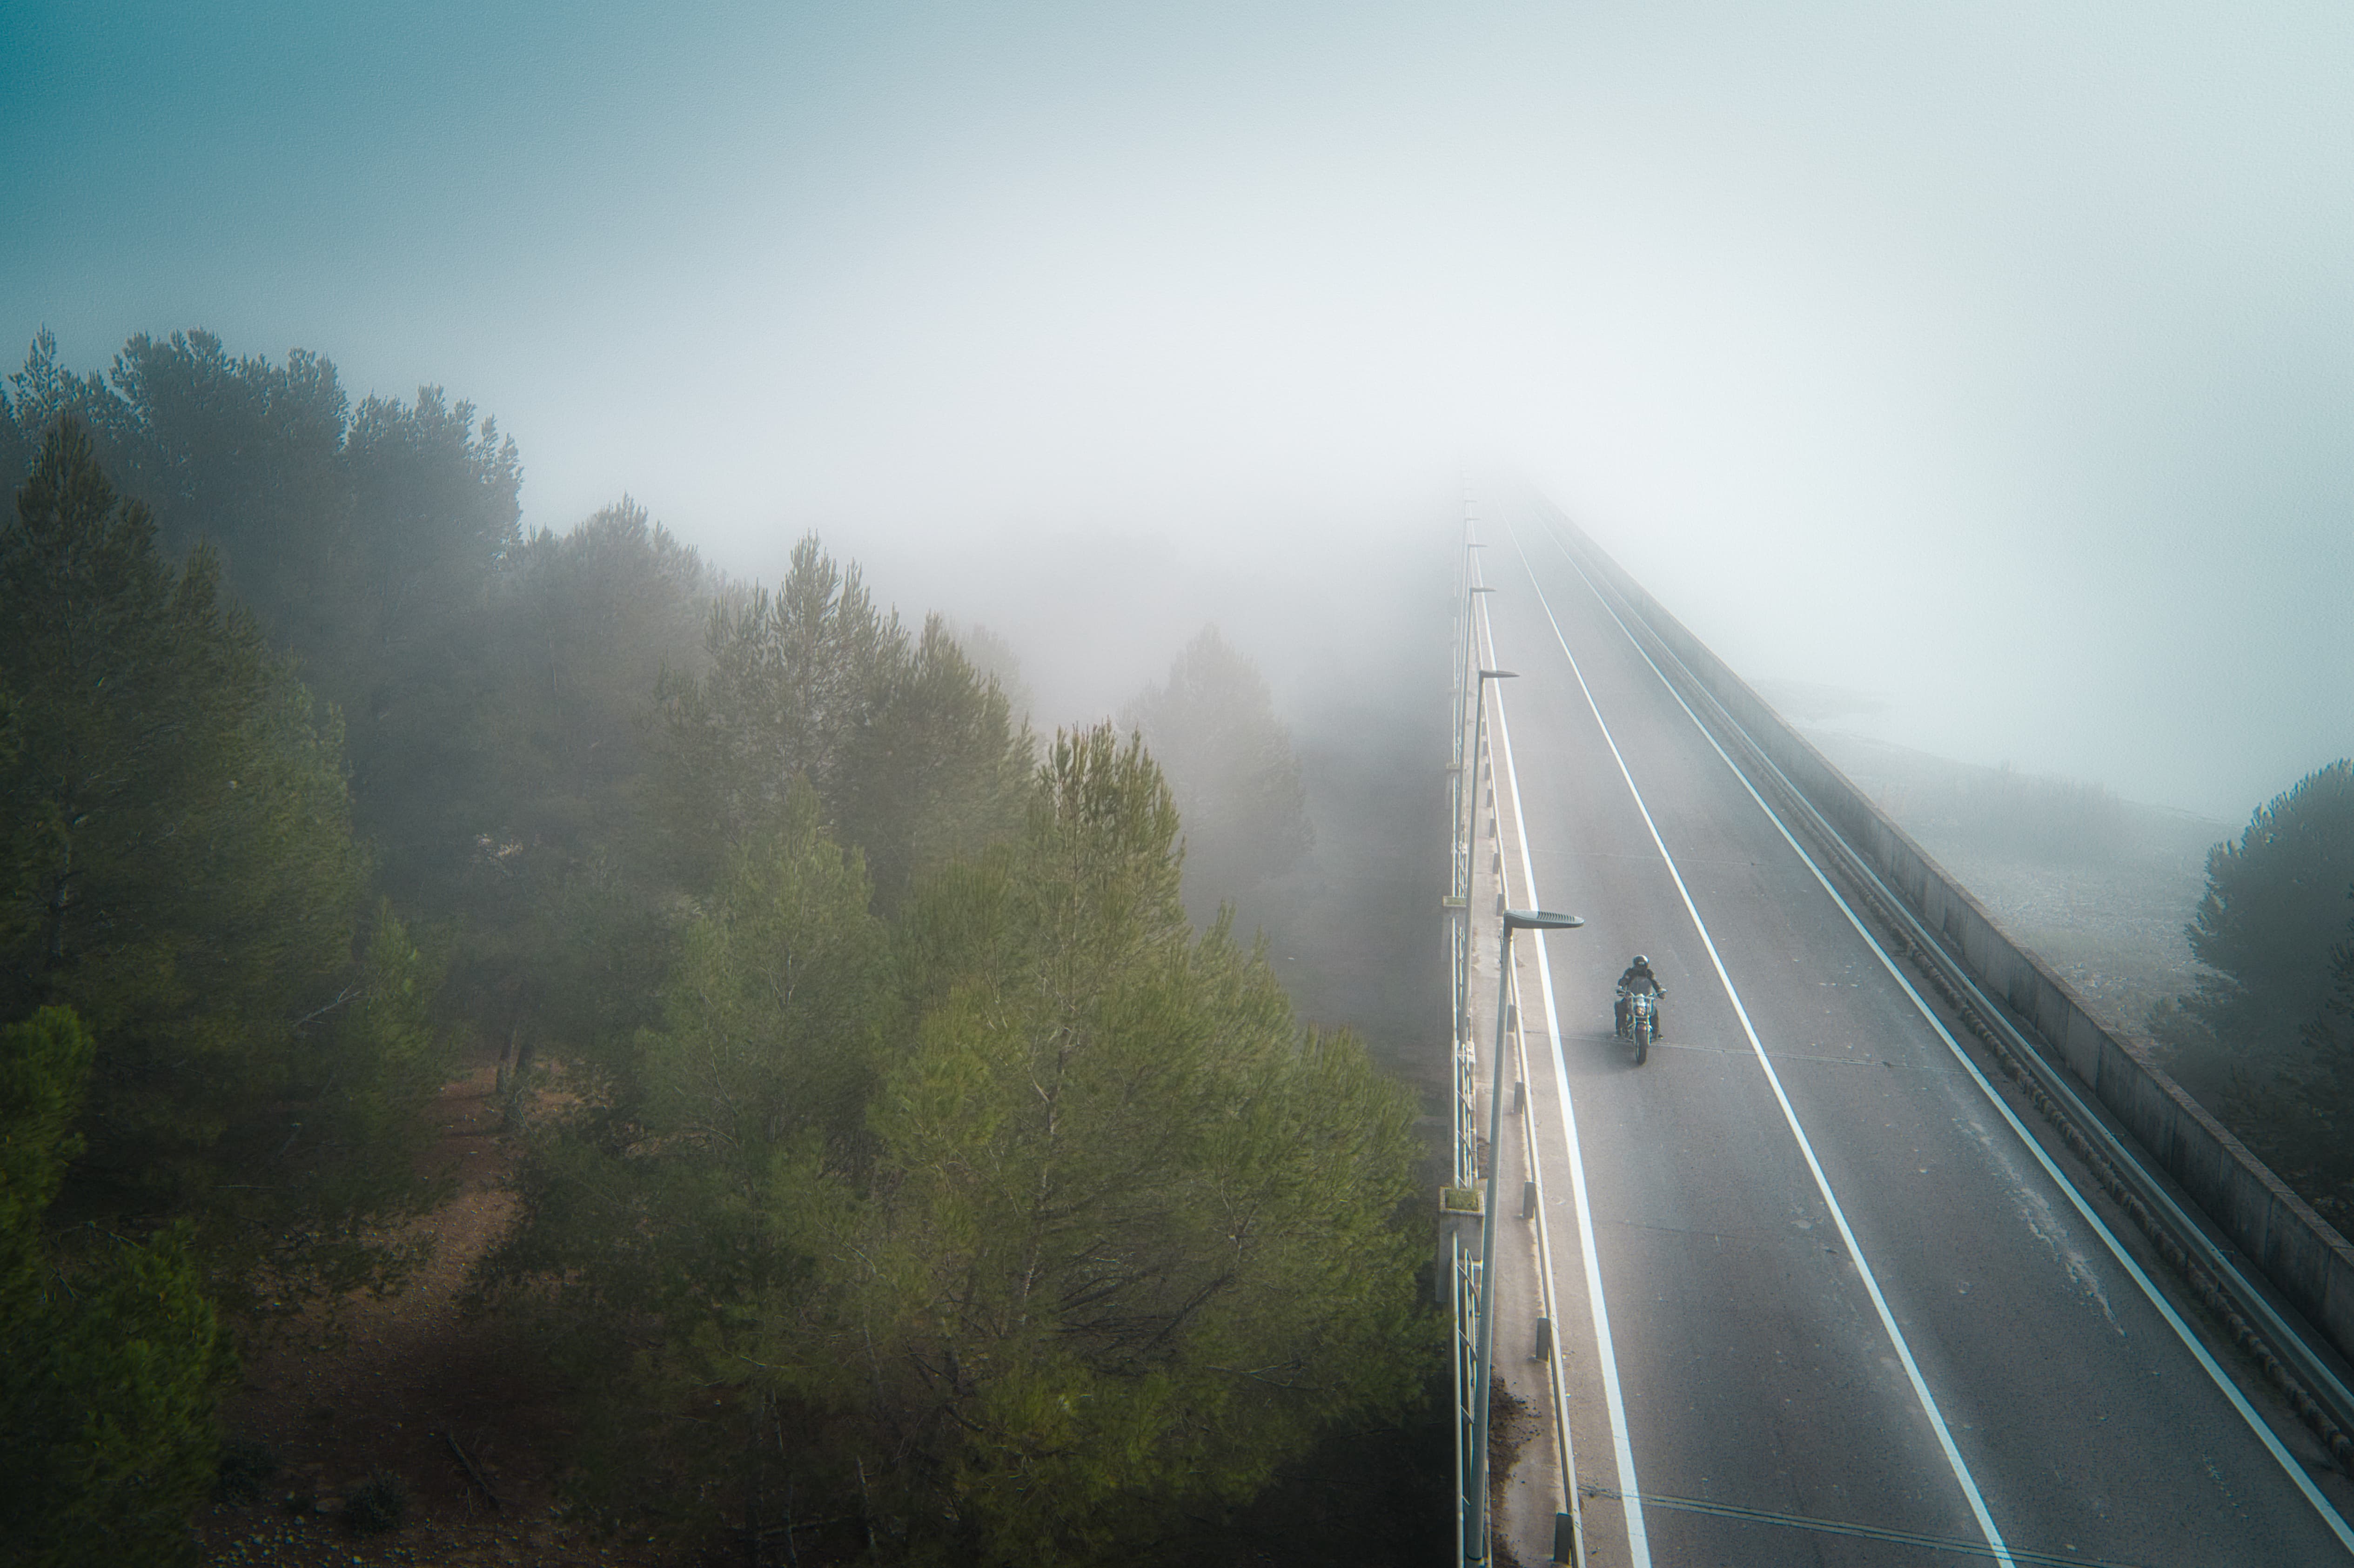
column 1963, row 1366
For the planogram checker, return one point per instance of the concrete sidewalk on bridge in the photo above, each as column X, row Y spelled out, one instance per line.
column 1526, row 1490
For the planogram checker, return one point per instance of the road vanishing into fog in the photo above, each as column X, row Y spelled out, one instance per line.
column 1821, row 1297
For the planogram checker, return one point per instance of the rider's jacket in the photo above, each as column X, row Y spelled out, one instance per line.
column 1636, row 980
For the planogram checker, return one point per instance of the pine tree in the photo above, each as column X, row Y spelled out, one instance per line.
column 1230, row 763
column 435, row 504
column 2273, row 908
column 2301, row 1119
column 939, row 769
column 914, row 755
column 791, row 676
column 177, row 864
column 563, row 893
column 773, row 1017
column 363, row 541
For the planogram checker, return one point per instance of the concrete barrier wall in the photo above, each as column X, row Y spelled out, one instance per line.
column 2304, row 1258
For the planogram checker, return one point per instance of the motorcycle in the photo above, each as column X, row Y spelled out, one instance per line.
column 1641, row 1023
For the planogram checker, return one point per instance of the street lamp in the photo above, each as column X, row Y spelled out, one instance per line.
column 1474, row 1529
column 1468, row 783
column 1479, row 723
column 1459, row 877
column 1463, row 663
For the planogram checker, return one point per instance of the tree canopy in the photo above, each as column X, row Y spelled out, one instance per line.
column 1130, row 1242
column 1230, row 767
column 2274, row 907
column 1056, row 1225
column 914, row 754
column 360, row 540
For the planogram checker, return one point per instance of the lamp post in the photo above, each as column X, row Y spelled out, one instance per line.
column 1478, row 741
column 1459, row 878
column 1475, row 1517
column 1463, row 663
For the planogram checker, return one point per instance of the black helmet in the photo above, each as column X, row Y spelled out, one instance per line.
column 1641, row 962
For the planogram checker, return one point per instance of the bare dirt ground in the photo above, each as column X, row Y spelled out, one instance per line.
column 364, row 1385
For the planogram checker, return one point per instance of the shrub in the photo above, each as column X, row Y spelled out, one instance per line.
column 245, row 1467
column 377, row 1505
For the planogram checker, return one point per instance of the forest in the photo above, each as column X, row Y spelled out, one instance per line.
column 896, row 1172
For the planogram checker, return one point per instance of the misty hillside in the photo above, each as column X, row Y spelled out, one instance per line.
column 2108, row 892
column 2099, row 886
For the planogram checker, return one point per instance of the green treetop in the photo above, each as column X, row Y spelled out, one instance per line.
column 2276, row 906
column 915, row 754
column 1128, row 1242
column 1231, row 766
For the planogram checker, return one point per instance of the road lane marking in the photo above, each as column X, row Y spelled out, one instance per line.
column 1556, row 1369
column 1865, row 1531
column 2335, row 1521
column 1961, row 1470
column 1638, row 1539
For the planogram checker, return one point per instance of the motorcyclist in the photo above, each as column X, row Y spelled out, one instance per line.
column 1638, row 977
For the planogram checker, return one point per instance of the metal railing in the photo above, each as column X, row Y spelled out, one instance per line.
column 1462, row 1263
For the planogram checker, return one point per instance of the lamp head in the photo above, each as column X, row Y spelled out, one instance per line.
column 1540, row 920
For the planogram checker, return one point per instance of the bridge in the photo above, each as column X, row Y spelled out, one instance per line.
column 1888, row 1253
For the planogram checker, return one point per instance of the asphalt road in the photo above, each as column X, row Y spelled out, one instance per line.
column 1852, row 1316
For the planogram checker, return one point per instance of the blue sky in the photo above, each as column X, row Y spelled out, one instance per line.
column 2028, row 326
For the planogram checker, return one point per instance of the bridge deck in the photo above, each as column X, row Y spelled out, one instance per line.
column 1852, row 1318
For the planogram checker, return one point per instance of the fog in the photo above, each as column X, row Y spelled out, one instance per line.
column 1993, row 362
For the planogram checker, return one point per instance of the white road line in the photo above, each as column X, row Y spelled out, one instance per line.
column 2330, row 1517
column 1556, row 1377
column 1638, row 1540
column 1928, row 1400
